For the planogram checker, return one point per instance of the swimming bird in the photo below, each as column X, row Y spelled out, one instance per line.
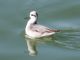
column 35, row 30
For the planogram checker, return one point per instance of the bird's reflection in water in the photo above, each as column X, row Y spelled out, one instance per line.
column 32, row 43
column 66, row 39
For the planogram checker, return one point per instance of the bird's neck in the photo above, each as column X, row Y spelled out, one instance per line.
column 31, row 22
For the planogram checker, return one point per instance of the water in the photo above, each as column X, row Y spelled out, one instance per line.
column 58, row 14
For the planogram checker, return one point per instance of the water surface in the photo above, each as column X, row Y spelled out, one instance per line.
column 56, row 14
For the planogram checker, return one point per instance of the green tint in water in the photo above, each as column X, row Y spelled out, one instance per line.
column 66, row 38
column 69, row 39
column 59, row 14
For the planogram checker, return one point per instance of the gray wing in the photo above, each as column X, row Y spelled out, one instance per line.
column 41, row 29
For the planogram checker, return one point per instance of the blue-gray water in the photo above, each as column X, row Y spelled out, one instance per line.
column 58, row 14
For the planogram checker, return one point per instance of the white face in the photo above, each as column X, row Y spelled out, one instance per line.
column 33, row 14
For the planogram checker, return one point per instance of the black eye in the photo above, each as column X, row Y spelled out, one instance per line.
column 32, row 15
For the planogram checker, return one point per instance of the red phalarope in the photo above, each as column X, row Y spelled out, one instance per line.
column 34, row 30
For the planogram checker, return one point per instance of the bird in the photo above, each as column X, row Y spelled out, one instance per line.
column 35, row 30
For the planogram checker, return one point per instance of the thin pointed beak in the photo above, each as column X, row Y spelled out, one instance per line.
column 26, row 18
